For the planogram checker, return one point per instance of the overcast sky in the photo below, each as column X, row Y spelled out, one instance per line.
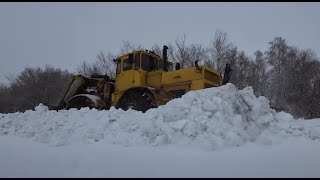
column 65, row 34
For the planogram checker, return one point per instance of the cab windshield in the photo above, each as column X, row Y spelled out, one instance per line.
column 142, row 61
column 149, row 63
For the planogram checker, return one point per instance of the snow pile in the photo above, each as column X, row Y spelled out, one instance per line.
column 212, row 118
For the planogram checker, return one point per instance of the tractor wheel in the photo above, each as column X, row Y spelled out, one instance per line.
column 80, row 102
column 137, row 100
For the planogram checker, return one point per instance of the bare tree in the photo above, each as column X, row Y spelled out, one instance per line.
column 172, row 52
column 106, row 64
column 127, row 47
column 179, row 52
column 104, row 61
column 241, row 70
column 277, row 56
column 157, row 49
column 259, row 76
column 5, row 103
column 87, row 69
column 219, row 48
column 182, row 54
column 302, row 75
column 197, row 53
column 33, row 86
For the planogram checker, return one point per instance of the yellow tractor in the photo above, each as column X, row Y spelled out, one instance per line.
column 143, row 80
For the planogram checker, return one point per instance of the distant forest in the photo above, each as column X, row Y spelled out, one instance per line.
column 288, row 76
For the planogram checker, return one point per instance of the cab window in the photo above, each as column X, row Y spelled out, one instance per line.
column 149, row 63
column 126, row 65
column 137, row 61
column 145, row 62
column 118, row 67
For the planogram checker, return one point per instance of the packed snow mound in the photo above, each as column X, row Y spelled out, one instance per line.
column 212, row 118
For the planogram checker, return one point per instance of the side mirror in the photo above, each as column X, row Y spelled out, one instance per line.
column 130, row 60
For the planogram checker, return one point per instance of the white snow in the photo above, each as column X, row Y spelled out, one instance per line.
column 216, row 132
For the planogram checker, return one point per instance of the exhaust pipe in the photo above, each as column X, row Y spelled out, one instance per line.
column 165, row 57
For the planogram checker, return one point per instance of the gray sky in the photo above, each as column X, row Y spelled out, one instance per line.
column 65, row 34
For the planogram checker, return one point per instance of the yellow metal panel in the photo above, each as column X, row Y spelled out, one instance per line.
column 197, row 84
column 154, row 79
column 124, row 80
column 177, row 86
column 208, row 84
column 212, row 76
column 140, row 78
column 181, row 75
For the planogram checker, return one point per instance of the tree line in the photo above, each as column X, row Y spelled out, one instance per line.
column 288, row 76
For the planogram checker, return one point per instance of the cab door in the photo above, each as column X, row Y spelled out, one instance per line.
column 125, row 74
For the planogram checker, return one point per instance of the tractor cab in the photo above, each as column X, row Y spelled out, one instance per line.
column 140, row 69
column 142, row 61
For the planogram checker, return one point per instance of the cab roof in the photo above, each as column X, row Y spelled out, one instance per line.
column 141, row 51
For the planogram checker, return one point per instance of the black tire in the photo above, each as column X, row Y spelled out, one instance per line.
column 137, row 100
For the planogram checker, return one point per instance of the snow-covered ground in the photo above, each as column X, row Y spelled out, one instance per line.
column 216, row 132
column 26, row 158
